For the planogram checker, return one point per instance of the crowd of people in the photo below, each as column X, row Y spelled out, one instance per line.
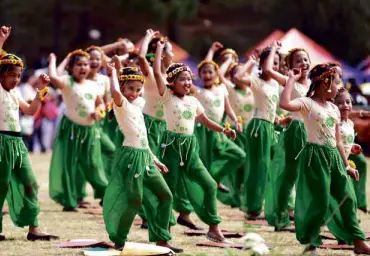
column 132, row 124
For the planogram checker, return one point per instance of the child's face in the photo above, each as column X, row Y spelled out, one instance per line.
column 183, row 83
column 131, row 90
column 276, row 64
column 344, row 103
column 208, row 75
column 168, row 55
column 81, row 68
column 301, row 61
column 95, row 61
column 10, row 79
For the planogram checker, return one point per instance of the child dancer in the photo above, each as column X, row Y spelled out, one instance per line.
column 135, row 169
column 97, row 61
column 352, row 151
column 219, row 155
column 283, row 176
column 179, row 145
column 323, row 162
column 17, row 181
column 260, row 133
column 77, row 147
column 153, row 108
column 242, row 101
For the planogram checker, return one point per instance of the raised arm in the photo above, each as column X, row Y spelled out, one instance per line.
column 211, row 52
column 114, row 84
column 118, row 61
column 4, row 34
column 285, row 99
column 113, row 46
column 31, row 109
column 157, row 69
column 62, row 66
column 143, row 63
column 223, row 70
column 269, row 63
column 55, row 79
column 241, row 76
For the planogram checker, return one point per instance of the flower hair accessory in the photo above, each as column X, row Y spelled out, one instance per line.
column 79, row 52
column 229, row 51
column 11, row 59
column 174, row 72
column 325, row 75
column 131, row 78
column 204, row 62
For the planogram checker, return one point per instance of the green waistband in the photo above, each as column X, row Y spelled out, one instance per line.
column 178, row 135
column 9, row 137
column 66, row 121
column 153, row 119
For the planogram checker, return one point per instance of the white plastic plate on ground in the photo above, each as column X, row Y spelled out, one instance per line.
column 131, row 249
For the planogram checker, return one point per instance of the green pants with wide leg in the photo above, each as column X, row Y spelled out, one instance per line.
column 136, row 182
column 180, row 153
column 323, row 178
column 17, row 182
column 284, row 173
column 234, row 180
column 220, row 155
column 77, row 152
column 155, row 130
column 360, row 186
column 260, row 136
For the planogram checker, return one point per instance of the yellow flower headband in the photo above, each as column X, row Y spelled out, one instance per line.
column 229, row 51
column 93, row 47
column 79, row 52
column 174, row 72
column 11, row 59
column 133, row 77
column 204, row 62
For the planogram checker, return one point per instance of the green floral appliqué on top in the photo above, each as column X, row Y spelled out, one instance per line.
column 247, row 108
column 88, row 96
column 274, row 98
column 330, row 121
column 217, row 103
column 187, row 115
column 159, row 113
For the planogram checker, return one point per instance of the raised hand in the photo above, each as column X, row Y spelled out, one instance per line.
column 277, row 44
column 215, row 46
column 295, row 73
column 52, row 57
column 43, row 81
column 110, row 68
column 4, row 33
column 150, row 33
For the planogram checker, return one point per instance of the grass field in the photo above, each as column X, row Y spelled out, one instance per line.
column 80, row 225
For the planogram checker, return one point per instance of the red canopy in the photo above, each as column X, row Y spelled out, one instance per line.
column 295, row 39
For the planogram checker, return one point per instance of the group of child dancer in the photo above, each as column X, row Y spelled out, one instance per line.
column 172, row 151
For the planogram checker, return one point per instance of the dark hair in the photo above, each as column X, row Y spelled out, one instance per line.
column 264, row 55
column 321, row 73
column 8, row 62
column 152, row 48
column 171, row 76
column 72, row 61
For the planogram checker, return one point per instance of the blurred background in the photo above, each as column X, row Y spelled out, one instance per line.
column 330, row 30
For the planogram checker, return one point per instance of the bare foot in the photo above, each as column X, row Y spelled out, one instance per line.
column 291, row 214
column 361, row 247
column 215, row 234
column 167, row 245
column 187, row 218
column 35, row 233
column 223, row 188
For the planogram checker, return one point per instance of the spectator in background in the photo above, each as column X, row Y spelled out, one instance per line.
column 28, row 93
column 355, row 91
